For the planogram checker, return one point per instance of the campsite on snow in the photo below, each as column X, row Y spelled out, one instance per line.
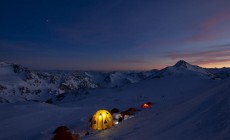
column 179, row 102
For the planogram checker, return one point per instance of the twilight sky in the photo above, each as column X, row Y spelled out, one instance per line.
column 114, row 34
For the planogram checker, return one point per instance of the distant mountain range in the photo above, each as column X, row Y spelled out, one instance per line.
column 18, row 83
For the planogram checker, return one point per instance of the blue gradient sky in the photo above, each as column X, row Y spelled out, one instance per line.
column 114, row 34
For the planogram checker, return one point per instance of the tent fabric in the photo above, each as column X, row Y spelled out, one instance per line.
column 62, row 133
column 130, row 111
column 146, row 105
column 101, row 120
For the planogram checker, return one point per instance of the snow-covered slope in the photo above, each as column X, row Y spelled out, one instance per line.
column 184, row 68
column 203, row 116
column 221, row 73
column 20, row 84
column 119, row 79
column 185, row 107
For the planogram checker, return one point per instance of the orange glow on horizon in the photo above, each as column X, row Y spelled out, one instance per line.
column 159, row 66
column 216, row 65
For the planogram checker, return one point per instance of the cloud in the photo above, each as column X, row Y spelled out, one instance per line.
column 210, row 61
column 212, row 27
column 215, row 54
column 206, row 54
column 216, row 20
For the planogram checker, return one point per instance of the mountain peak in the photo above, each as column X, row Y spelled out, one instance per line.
column 181, row 63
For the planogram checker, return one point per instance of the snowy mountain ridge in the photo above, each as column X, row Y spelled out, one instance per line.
column 184, row 68
column 18, row 83
column 184, row 65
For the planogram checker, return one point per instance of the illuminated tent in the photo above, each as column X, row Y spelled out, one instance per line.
column 101, row 120
column 146, row 105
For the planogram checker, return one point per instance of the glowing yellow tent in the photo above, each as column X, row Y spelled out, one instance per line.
column 102, row 119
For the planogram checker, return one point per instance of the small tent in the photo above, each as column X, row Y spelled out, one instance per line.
column 146, row 105
column 101, row 120
column 63, row 133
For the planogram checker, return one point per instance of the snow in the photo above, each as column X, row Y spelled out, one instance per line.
column 184, row 68
column 184, row 107
column 7, row 75
column 204, row 116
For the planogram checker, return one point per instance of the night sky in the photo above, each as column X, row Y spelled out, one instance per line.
column 114, row 34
